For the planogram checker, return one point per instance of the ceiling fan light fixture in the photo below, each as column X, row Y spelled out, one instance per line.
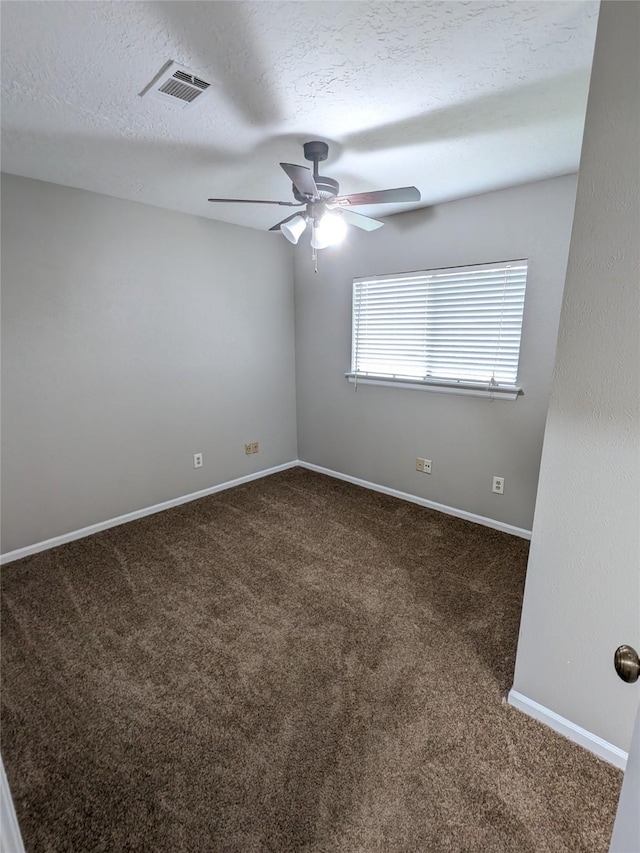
column 295, row 228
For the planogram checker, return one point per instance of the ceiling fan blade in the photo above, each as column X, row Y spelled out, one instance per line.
column 361, row 221
column 276, row 227
column 398, row 194
column 302, row 179
column 259, row 201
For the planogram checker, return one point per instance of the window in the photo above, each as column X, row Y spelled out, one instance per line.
column 452, row 329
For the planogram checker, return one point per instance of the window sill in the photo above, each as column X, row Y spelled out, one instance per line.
column 497, row 392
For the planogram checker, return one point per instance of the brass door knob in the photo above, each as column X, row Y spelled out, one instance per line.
column 627, row 663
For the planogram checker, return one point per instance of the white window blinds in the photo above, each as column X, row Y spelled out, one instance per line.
column 458, row 326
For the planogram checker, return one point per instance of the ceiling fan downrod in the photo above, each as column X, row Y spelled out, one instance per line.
column 316, row 152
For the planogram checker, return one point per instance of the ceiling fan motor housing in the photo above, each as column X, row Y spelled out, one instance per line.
column 327, row 189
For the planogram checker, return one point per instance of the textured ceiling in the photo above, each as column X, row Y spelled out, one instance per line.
column 455, row 97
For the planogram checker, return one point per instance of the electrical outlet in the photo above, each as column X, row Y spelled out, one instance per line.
column 427, row 466
column 498, row 485
column 419, row 464
column 198, row 460
column 255, row 447
column 247, row 449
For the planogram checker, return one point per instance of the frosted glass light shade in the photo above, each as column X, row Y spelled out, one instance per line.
column 294, row 229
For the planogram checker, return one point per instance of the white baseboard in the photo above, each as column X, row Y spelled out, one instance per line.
column 10, row 556
column 602, row 748
column 405, row 496
column 28, row 550
column 10, row 838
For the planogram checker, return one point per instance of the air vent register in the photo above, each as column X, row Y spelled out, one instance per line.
column 178, row 86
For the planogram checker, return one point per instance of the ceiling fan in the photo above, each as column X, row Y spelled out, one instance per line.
column 326, row 212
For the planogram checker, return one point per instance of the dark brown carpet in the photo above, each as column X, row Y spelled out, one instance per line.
column 295, row 664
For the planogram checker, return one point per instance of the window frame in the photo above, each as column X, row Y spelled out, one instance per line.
column 492, row 388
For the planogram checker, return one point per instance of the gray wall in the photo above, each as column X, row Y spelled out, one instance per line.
column 582, row 596
column 377, row 433
column 133, row 337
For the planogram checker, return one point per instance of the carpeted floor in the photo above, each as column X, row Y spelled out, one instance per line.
column 296, row 664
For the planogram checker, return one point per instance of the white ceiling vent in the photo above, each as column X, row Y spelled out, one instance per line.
column 177, row 85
